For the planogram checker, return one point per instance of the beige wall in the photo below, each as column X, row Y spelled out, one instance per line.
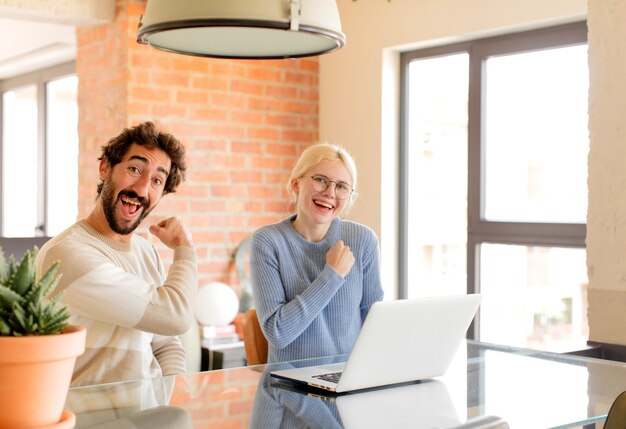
column 606, row 221
column 358, row 84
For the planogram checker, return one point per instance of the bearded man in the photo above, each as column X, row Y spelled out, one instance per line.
column 113, row 281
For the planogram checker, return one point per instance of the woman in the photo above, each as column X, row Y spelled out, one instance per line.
column 314, row 275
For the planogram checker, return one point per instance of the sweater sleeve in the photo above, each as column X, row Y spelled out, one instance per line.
column 372, row 284
column 283, row 321
column 170, row 354
column 95, row 286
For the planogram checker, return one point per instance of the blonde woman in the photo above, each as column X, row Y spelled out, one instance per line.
column 315, row 275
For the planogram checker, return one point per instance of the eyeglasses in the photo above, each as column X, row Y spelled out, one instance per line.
column 321, row 183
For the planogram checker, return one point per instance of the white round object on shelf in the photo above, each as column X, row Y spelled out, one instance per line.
column 216, row 304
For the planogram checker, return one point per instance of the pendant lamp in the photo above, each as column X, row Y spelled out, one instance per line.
column 252, row 29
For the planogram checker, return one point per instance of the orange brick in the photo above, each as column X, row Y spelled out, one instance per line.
column 263, row 133
column 210, row 82
column 231, row 101
column 170, row 79
column 298, row 136
column 210, row 176
column 267, row 162
column 254, row 118
column 235, row 206
column 206, row 206
column 285, row 149
column 263, row 192
column 300, row 78
column 161, row 111
column 229, row 221
column 277, row 177
column 290, row 121
column 191, row 97
column 185, row 64
column 254, row 207
column 228, row 191
column 194, row 129
column 281, row 91
column 227, row 161
column 211, row 145
column 311, row 65
column 148, row 93
column 238, row 236
column 264, row 74
column 138, row 109
column 257, row 222
column 193, row 190
column 277, row 206
column 246, row 176
column 247, row 87
column 310, row 94
column 228, row 68
column 230, row 131
column 247, row 147
column 217, row 115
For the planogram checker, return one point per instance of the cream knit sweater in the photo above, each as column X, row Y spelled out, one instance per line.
column 121, row 294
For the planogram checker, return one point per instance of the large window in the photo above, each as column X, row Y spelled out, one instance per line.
column 39, row 153
column 494, row 182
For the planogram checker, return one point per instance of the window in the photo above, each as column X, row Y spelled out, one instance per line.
column 494, row 182
column 39, row 152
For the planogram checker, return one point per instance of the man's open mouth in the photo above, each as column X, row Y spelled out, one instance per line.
column 131, row 204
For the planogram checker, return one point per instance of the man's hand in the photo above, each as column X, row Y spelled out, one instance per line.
column 172, row 232
column 340, row 257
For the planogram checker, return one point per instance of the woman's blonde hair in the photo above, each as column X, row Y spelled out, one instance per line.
column 317, row 153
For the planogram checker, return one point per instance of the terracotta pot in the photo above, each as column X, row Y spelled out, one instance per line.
column 35, row 374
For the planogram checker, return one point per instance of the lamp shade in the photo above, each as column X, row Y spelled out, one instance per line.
column 253, row 29
column 216, row 304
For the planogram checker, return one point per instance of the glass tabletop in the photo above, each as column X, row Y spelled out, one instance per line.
column 525, row 388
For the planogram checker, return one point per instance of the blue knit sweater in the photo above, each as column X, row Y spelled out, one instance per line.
column 305, row 308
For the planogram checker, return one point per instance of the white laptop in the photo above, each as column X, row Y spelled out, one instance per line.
column 400, row 341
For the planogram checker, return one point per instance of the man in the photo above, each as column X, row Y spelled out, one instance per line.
column 113, row 281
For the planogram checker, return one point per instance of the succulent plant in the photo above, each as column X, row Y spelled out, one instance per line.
column 25, row 308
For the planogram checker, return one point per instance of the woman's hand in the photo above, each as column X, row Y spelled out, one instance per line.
column 340, row 257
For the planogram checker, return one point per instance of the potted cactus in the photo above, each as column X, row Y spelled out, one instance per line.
column 39, row 348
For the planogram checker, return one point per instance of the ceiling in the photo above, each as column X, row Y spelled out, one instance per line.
column 34, row 45
column 40, row 33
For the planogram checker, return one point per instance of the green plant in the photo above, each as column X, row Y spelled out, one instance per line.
column 24, row 305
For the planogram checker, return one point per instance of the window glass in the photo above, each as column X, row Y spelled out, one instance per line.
column 62, row 154
column 20, row 168
column 437, row 175
column 494, row 182
column 534, row 297
column 535, row 136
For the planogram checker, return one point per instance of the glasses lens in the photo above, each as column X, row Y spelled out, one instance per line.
column 342, row 192
column 320, row 184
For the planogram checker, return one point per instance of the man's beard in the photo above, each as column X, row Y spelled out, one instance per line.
column 108, row 204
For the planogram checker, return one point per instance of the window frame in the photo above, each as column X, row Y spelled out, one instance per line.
column 39, row 79
column 481, row 230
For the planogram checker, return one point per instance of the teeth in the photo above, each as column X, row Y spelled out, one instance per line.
column 127, row 201
column 320, row 203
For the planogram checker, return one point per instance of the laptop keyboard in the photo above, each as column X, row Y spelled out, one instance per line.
column 331, row 377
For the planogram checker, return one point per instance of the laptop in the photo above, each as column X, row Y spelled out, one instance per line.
column 400, row 341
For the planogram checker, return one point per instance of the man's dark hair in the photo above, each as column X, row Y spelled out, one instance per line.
column 147, row 135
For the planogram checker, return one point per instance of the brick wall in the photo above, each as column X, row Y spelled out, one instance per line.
column 243, row 123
